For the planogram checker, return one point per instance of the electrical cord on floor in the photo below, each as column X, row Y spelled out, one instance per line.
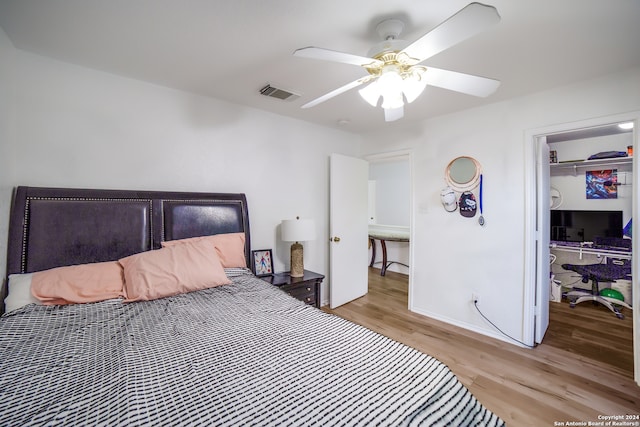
column 475, row 304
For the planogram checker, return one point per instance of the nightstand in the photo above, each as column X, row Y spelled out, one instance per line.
column 305, row 288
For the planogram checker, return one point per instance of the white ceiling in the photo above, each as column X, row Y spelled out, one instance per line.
column 230, row 49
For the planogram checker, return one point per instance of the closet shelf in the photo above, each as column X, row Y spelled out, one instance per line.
column 575, row 165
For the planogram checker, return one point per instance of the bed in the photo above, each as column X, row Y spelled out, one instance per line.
column 241, row 353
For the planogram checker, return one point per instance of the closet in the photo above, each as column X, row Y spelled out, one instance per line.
column 590, row 199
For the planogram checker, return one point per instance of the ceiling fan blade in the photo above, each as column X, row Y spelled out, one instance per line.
column 469, row 21
column 335, row 56
column 337, row 92
column 460, row 82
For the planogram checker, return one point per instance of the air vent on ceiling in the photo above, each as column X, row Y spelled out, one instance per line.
column 274, row 92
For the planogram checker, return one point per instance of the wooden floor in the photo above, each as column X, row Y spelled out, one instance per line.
column 571, row 376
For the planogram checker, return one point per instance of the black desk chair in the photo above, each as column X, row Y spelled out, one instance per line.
column 605, row 272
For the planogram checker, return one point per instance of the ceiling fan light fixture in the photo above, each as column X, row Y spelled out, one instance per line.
column 412, row 86
column 392, row 100
column 393, row 114
column 395, row 73
column 391, row 85
column 371, row 93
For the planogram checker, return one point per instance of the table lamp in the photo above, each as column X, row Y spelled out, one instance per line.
column 297, row 230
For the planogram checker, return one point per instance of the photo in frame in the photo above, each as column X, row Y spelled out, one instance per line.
column 262, row 262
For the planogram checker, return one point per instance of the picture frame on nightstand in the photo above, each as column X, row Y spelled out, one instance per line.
column 262, row 264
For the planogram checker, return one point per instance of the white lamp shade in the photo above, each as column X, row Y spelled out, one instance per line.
column 371, row 93
column 390, row 84
column 298, row 230
column 413, row 87
column 393, row 114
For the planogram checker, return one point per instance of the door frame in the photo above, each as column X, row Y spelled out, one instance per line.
column 542, row 216
column 402, row 155
column 530, row 286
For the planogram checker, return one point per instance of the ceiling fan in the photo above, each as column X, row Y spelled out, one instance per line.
column 395, row 73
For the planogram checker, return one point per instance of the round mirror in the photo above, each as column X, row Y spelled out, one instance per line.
column 463, row 173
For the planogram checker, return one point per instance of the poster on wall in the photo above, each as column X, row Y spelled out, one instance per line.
column 602, row 184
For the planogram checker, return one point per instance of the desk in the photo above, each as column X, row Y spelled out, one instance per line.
column 386, row 236
column 580, row 249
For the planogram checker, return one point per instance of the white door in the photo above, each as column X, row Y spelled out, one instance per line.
column 348, row 228
column 542, row 239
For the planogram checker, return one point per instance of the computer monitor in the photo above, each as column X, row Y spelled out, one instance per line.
column 585, row 226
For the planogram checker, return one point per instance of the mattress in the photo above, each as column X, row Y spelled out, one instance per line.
column 234, row 355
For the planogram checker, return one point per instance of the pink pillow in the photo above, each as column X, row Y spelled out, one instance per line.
column 79, row 283
column 230, row 247
column 172, row 270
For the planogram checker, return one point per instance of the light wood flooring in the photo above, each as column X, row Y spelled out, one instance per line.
column 583, row 368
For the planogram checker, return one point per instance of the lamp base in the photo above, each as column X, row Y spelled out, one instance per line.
column 297, row 265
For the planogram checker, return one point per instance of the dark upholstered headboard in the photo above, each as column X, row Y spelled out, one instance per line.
column 54, row 227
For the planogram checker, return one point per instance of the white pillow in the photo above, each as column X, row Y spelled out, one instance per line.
column 19, row 293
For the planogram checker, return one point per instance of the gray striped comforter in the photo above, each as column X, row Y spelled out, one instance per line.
column 237, row 355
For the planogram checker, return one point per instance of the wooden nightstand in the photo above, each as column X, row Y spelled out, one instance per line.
column 305, row 288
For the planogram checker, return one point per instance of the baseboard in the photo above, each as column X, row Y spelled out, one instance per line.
column 468, row 326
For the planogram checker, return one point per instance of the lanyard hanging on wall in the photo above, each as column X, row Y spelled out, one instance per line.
column 481, row 218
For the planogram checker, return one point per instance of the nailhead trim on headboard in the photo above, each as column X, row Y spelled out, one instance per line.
column 27, row 210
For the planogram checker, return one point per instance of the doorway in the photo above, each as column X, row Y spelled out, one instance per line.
column 537, row 192
column 390, row 202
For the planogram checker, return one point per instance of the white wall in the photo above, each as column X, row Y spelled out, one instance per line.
column 392, row 191
column 76, row 127
column 453, row 256
column 7, row 83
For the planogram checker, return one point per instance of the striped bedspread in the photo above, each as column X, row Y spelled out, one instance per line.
column 244, row 354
